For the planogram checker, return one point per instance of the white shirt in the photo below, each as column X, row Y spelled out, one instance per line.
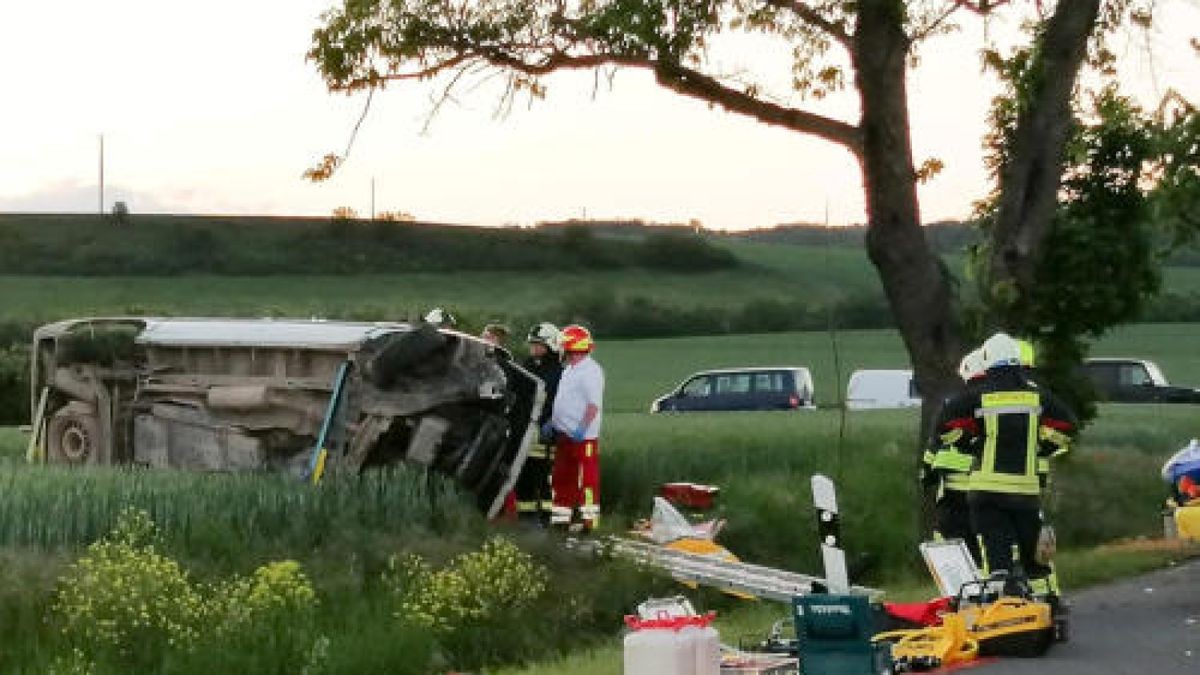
column 581, row 385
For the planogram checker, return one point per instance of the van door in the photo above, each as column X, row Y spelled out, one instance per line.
column 1105, row 378
column 733, row 392
column 695, row 394
column 774, row 389
column 1134, row 384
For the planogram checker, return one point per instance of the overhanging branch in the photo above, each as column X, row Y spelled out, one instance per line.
column 673, row 76
column 695, row 84
column 811, row 16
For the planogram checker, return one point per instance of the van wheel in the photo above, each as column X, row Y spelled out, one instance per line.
column 73, row 437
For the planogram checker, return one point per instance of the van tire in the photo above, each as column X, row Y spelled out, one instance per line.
column 73, row 436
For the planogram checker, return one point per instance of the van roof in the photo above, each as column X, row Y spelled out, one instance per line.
column 892, row 372
column 313, row 334
column 227, row 332
column 747, row 369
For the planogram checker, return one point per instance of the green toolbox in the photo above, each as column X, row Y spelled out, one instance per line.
column 833, row 633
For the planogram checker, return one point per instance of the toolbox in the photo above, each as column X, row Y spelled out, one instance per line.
column 833, row 634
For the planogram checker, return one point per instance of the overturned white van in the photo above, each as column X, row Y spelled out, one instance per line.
column 252, row 394
column 880, row 389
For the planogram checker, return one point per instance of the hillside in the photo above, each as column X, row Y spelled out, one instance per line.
column 624, row 279
column 149, row 245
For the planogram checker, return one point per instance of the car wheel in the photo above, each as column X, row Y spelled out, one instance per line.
column 73, row 436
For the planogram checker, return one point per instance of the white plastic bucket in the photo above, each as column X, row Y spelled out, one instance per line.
column 680, row 645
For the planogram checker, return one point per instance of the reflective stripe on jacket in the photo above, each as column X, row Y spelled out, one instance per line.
column 1009, row 425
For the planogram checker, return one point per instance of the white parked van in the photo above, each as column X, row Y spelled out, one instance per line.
column 875, row 389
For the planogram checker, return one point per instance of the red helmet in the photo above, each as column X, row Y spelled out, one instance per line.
column 576, row 339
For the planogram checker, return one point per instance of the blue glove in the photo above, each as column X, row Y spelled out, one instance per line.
column 547, row 432
column 579, row 434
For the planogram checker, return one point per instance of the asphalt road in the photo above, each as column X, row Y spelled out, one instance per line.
column 1148, row 625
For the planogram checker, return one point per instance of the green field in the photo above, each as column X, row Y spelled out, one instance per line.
column 215, row 526
column 776, row 272
column 640, row 370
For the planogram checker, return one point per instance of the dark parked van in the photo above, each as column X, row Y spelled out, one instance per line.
column 764, row 388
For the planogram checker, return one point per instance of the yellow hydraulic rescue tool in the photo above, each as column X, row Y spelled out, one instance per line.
column 933, row 647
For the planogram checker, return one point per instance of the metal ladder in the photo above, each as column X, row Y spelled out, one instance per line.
column 759, row 581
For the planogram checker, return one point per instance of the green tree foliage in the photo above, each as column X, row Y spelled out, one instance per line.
column 1129, row 185
column 870, row 45
column 14, row 384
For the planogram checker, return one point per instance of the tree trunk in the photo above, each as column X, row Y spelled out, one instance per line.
column 1030, row 179
column 916, row 288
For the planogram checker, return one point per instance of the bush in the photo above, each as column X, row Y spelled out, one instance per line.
column 14, row 385
column 480, row 592
column 124, row 601
column 684, row 253
column 126, row 605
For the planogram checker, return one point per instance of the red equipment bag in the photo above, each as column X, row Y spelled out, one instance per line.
column 689, row 495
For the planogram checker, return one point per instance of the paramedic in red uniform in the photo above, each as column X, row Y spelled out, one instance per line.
column 575, row 421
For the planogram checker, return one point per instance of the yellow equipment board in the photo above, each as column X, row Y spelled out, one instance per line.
column 1187, row 522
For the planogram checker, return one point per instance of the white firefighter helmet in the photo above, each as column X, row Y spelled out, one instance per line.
column 547, row 334
column 1001, row 349
column 440, row 318
column 972, row 365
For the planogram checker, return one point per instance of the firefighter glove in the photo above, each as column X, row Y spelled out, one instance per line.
column 579, row 434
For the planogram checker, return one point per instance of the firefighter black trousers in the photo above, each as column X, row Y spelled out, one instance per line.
column 533, row 485
column 1006, row 522
column 952, row 520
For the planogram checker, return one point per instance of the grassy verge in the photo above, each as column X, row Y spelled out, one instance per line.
column 218, row 525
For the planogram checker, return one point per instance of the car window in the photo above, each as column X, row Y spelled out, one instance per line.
column 770, row 382
column 733, row 383
column 1103, row 374
column 699, row 386
column 1134, row 375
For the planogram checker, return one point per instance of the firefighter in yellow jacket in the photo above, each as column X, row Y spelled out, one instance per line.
column 948, row 468
column 1010, row 425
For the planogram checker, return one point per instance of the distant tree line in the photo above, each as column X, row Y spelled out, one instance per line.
column 945, row 237
column 168, row 245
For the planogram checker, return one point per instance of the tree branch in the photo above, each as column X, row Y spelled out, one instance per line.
column 835, row 30
column 692, row 83
column 1029, row 182
column 981, row 7
column 679, row 79
column 928, row 30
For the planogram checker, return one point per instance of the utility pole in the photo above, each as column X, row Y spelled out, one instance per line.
column 101, row 174
column 372, row 198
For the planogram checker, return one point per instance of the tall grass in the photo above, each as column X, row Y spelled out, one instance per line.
column 343, row 531
column 220, row 514
column 1107, row 488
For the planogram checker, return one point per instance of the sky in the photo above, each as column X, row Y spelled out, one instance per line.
column 210, row 108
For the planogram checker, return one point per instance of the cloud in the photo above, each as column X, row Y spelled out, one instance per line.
column 71, row 197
